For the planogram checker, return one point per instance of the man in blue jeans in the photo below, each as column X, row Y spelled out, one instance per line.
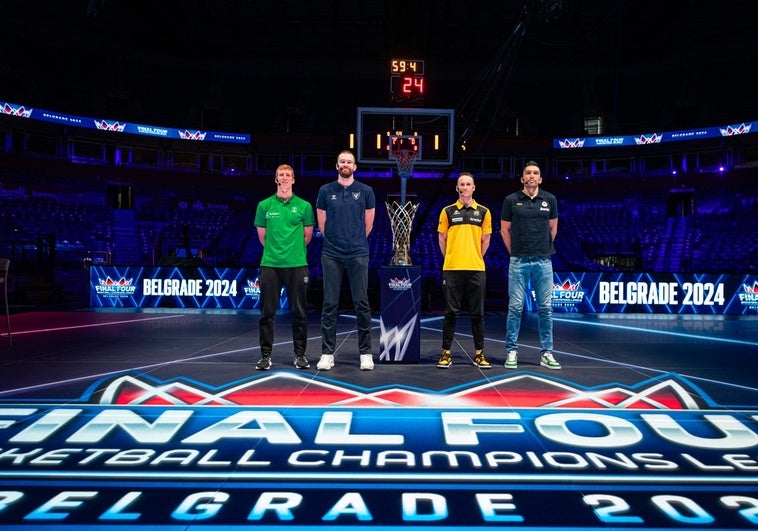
column 345, row 211
column 528, row 224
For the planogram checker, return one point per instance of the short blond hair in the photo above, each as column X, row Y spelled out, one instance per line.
column 284, row 167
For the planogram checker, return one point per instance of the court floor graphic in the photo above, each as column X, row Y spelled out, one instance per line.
column 157, row 419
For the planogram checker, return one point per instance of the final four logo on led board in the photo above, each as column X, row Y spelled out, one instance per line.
column 654, row 138
column 191, row 135
column 108, row 287
column 105, row 125
column 253, row 288
column 739, row 129
column 568, row 294
column 15, row 110
column 288, row 449
column 749, row 298
column 572, row 143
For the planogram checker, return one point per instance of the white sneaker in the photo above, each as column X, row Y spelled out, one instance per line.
column 326, row 362
column 511, row 360
column 367, row 362
column 547, row 360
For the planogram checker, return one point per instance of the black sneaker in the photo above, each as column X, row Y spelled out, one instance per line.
column 301, row 362
column 264, row 363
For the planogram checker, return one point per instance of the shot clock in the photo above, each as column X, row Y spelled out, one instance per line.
column 407, row 83
column 409, row 143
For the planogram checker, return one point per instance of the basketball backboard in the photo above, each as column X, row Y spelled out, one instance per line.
column 378, row 126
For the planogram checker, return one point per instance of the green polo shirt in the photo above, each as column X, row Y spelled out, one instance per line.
column 284, row 222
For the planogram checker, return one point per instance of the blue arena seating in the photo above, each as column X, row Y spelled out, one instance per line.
column 54, row 223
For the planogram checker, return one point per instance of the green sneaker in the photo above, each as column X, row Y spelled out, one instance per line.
column 511, row 360
column 547, row 360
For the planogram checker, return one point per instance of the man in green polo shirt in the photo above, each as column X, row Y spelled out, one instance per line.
column 285, row 225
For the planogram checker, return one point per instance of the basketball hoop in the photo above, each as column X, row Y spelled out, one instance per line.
column 405, row 150
column 405, row 159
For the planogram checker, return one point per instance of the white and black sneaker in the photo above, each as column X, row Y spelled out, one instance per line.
column 301, row 362
column 264, row 363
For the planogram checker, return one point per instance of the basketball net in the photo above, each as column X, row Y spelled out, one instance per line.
column 405, row 159
column 401, row 214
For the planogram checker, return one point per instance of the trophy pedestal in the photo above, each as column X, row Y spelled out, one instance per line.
column 400, row 314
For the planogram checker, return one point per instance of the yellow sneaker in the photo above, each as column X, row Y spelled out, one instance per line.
column 480, row 360
column 446, row 360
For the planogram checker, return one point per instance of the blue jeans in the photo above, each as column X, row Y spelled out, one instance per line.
column 523, row 271
column 357, row 275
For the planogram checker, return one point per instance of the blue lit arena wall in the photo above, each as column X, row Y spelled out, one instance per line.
column 234, row 288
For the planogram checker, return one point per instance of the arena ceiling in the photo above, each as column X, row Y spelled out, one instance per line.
column 304, row 66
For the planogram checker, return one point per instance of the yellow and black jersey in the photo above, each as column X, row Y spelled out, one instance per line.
column 464, row 227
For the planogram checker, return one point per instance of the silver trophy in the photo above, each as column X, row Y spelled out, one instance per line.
column 401, row 221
